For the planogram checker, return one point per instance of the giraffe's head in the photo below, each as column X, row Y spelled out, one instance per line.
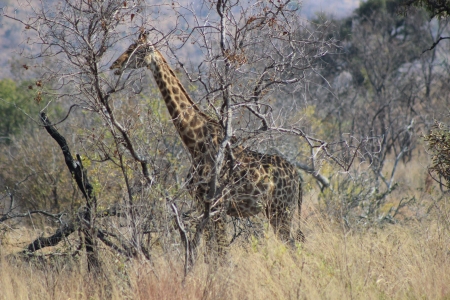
column 139, row 55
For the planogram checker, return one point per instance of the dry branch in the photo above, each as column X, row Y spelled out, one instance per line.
column 81, row 178
column 42, row 242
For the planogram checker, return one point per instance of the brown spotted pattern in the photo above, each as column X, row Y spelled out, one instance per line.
column 258, row 182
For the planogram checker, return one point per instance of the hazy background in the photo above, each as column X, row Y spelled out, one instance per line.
column 12, row 39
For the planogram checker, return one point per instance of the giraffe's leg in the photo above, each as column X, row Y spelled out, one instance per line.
column 221, row 236
column 281, row 227
column 209, row 239
column 280, row 219
column 216, row 239
column 300, row 237
column 281, row 224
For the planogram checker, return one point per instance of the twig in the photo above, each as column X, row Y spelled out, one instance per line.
column 185, row 240
column 436, row 43
column 26, row 214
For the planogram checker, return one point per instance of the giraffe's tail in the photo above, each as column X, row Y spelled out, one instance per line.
column 300, row 236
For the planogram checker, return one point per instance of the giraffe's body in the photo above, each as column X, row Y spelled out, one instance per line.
column 257, row 183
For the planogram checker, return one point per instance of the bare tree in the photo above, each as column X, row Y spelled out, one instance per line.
column 251, row 59
column 378, row 101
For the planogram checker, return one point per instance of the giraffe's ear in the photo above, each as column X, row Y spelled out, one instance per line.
column 119, row 61
column 143, row 36
column 115, row 65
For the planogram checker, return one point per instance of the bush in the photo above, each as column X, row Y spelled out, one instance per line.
column 16, row 102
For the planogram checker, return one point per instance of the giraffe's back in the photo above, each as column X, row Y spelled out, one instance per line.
column 263, row 183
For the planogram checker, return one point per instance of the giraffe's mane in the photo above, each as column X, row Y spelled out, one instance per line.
column 207, row 117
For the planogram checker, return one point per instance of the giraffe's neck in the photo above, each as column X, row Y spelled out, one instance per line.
column 197, row 130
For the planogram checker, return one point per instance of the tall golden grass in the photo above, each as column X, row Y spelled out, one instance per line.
column 403, row 261
column 408, row 260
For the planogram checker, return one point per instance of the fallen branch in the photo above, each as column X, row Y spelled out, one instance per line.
column 125, row 252
column 42, row 242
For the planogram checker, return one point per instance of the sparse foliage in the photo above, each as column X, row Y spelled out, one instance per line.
column 379, row 96
column 16, row 105
column 439, row 9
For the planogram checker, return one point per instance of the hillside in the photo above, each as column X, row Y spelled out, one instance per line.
column 12, row 39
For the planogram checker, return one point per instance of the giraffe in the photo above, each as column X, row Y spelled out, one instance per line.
column 258, row 182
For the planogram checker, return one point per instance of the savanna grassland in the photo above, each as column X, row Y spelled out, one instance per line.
column 407, row 260
column 398, row 262
column 97, row 189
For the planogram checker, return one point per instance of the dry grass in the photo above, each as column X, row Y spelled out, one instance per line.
column 396, row 262
column 409, row 260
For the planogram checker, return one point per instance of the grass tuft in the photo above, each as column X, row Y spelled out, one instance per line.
column 394, row 262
